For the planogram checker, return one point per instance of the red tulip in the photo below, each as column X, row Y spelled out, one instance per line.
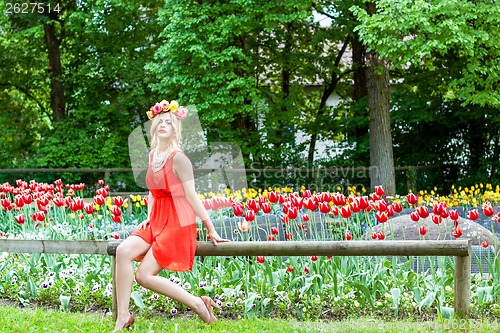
column 252, row 204
column 305, row 217
column 380, row 205
column 306, row 194
column 116, row 218
column 6, row 204
column 324, row 207
column 414, row 216
column 374, row 235
column 237, row 208
column 457, row 232
column 354, row 204
column 58, row 201
column 423, row 211
column 335, row 210
column 116, row 210
column 484, row 244
column 99, row 199
column 289, row 236
column 306, row 270
column 207, row 203
column 345, row 212
column 272, row 196
column 348, row 235
column 436, row 218
column 412, row 199
column 309, row 203
column 118, row 201
column 364, row 203
column 339, row 199
column 18, row 199
column 20, row 218
column 290, row 269
column 89, row 208
column 261, row 259
column 374, row 197
column 314, row 258
column 454, row 214
column 488, row 209
column 445, row 213
column 326, row 197
column 249, row 215
column 473, row 214
column 27, row 199
column 437, row 208
column 381, row 216
column 422, row 230
column 497, row 217
column 379, row 190
column 274, row 230
column 381, row 235
column 115, row 235
column 266, row 207
column 270, row 237
column 102, row 191
column 285, row 207
column 398, row 208
column 293, row 213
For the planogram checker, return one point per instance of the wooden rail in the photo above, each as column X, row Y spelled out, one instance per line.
column 460, row 249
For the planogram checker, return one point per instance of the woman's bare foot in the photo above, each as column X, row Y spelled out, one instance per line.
column 124, row 322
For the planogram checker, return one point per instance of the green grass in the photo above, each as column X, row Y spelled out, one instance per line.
column 14, row 319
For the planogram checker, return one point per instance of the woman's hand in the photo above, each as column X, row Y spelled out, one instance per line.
column 214, row 237
column 144, row 224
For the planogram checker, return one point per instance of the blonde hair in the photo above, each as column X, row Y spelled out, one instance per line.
column 176, row 126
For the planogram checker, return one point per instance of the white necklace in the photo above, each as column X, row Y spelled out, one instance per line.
column 159, row 159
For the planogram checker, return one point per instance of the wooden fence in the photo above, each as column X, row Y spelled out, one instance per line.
column 460, row 249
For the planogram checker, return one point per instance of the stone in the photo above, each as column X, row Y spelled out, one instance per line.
column 403, row 227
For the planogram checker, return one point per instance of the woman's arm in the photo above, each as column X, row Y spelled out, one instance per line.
column 184, row 169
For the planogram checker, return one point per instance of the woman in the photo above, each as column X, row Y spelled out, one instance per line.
column 167, row 238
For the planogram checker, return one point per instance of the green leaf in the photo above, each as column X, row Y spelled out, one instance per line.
column 64, row 302
column 137, row 298
column 428, row 300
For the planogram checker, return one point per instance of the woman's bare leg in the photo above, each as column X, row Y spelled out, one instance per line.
column 147, row 276
column 131, row 248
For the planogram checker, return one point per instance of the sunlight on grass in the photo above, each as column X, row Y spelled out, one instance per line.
column 15, row 320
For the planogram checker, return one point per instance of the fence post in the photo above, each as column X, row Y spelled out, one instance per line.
column 463, row 284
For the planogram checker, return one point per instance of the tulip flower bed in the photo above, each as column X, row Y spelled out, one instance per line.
column 303, row 287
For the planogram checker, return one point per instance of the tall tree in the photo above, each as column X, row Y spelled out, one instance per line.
column 422, row 33
column 379, row 97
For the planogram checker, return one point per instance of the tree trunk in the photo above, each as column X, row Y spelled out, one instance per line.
column 378, row 94
column 358, row 61
column 55, row 69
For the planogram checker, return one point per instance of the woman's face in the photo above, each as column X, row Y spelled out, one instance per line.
column 164, row 130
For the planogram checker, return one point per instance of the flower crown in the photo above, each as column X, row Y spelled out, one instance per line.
column 164, row 106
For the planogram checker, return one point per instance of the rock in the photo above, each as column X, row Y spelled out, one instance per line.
column 402, row 227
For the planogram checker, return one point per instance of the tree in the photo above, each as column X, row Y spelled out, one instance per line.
column 450, row 43
column 422, row 33
column 103, row 51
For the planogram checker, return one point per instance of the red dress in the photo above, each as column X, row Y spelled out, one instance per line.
column 172, row 233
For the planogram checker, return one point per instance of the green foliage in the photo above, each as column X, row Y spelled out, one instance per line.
column 459, row 36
